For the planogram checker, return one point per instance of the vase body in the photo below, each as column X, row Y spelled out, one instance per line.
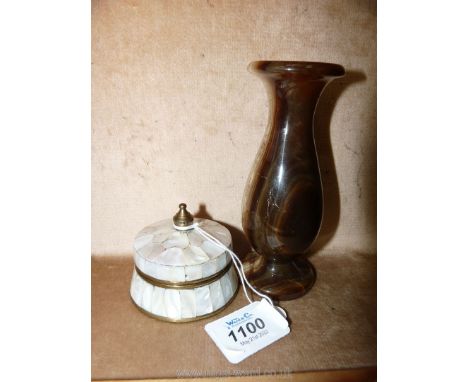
column 282, row 207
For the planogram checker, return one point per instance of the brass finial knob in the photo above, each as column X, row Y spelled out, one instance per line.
column 182, row 218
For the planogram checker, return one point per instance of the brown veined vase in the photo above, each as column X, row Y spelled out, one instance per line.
column 282, row 207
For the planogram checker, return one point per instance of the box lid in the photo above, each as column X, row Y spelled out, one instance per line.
column 170, row 250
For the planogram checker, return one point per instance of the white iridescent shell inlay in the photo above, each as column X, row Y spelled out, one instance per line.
column 164, row 253
column 167, row 254
column 177, row 304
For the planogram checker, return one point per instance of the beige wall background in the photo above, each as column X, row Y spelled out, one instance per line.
column 177, row 117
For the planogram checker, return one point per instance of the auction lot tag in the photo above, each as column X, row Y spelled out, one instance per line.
column 247, row 330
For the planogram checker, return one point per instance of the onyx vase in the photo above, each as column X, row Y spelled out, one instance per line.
column 283, row 204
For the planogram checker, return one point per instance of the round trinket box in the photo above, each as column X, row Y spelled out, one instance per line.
column 179, row 275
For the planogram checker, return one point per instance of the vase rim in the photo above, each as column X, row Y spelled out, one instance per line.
column 308, row 68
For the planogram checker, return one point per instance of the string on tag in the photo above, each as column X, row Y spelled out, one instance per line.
column 237, row 264
column 236, row 261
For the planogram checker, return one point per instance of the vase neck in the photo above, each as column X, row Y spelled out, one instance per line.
column 293, row 102
column 294, row 88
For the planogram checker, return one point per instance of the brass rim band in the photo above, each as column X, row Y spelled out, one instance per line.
column 184, row 284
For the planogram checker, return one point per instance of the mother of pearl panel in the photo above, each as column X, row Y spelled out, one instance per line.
column 181, row 273
column 183, row 303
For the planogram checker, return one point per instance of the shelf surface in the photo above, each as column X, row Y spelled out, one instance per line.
column 332, row 327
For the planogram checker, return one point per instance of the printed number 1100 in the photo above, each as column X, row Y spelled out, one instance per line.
column 251, row 328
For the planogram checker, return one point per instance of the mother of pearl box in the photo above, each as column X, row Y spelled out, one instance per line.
column 180, row 276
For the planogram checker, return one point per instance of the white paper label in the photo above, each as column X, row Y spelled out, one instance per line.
column 247, row 330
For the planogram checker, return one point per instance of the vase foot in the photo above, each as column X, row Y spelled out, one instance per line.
column 280, row 280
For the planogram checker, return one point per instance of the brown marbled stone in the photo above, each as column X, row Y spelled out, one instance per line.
column 282, row 209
